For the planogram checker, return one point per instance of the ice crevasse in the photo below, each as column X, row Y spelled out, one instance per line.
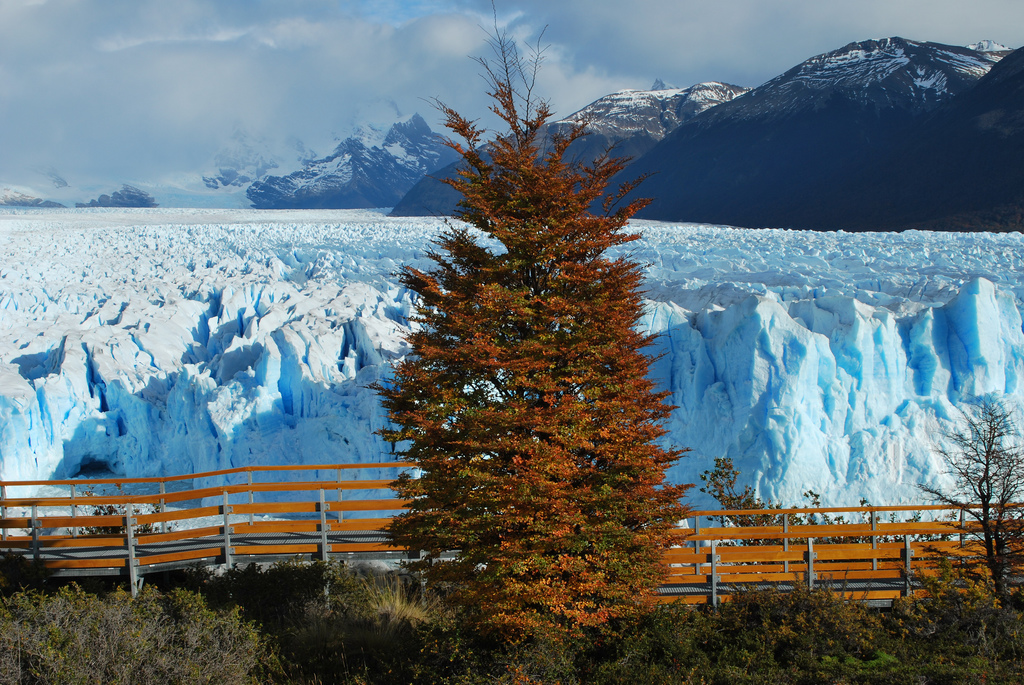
column 170, row 342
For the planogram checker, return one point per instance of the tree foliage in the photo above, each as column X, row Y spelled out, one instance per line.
column 985, row 460
column 526, row 405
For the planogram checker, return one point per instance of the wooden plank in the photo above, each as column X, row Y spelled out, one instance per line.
column 748, row 555
column 360, row 524
column 188, row 555
column 108, row 562
column 860, row 574
column 681, row 599
column 370, row 505
column 779, row 577
column 683, row 579
column 826, row 554
column 211, row 474
column 301, row 486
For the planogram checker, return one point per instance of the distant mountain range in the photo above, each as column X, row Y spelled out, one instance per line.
column 881, row 134
column 365, row 170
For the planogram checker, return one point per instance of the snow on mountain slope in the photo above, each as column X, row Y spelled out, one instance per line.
column 888, row 72
column 653, row 112
column 17, row 197
column 168, row 341
column 371, row 168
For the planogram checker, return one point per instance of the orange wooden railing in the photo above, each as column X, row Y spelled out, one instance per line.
column 241, row 514
column 83, row 532
column 874, row 558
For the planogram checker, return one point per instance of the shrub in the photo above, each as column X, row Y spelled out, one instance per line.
column 75, row 637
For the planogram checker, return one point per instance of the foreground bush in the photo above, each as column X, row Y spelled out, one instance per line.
column 320, row 623
column 76, row 637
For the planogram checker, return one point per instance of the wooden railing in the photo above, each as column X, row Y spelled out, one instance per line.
column 880, row 557
column 214, row 517
column 239, row 515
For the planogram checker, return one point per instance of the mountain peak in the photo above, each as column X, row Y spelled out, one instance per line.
column 988, row 46
column 880, row 73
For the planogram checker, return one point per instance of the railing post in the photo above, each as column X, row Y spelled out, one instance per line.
column 907, row 554
column 228, row 551
column 810, row 563
column 35, row 534
column 785, row 542
column 874, row 539
column 341, row 510
column 252, row 517
column 324, row 547
column 714, row 574
column 3, row 510
column 163, row 507
column 74, row 511
column 129, row 530
column 696, row 531
column 963, row 524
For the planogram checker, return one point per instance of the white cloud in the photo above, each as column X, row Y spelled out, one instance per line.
column 221, row 35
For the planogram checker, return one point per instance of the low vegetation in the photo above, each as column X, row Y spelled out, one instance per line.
column 323, row 623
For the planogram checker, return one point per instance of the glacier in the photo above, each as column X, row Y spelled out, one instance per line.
column 169, row 341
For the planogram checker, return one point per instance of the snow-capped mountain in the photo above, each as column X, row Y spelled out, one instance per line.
column 162, row 341
column 651, row 113
column 11, row 197
column 632, row 121
column 365, row 170
column 886, row 74
column 989, row 46
column 960, row 168
column 767, row 157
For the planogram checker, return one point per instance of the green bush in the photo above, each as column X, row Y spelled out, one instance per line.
column 320, row 623
column 75, row 637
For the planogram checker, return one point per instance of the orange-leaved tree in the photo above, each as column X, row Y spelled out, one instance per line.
column 526, row 404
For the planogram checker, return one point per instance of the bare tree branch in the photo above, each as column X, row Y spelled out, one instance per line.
column 985, row 460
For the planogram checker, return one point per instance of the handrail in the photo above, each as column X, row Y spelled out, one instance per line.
column 135, row 534
column 210, row 474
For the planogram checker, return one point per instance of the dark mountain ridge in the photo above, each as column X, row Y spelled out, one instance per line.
column 769, row 156
column 960, row 168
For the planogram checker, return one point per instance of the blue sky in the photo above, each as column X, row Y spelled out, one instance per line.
column 136, row 89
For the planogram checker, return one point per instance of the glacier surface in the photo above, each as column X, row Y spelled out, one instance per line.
column 162, row 341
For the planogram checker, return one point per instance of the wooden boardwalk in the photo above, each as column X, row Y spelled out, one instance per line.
column 339, row 511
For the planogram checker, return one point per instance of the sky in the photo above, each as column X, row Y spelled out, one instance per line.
column 100, row 91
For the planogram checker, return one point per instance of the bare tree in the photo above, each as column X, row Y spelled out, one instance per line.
column 985, row 459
